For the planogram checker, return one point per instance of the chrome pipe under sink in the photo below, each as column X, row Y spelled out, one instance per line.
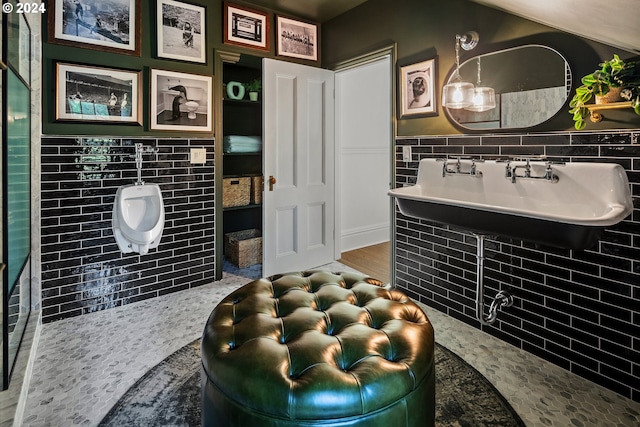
column 502, row 298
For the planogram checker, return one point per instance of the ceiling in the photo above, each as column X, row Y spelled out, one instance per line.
column 613, row 22
column 314, row 10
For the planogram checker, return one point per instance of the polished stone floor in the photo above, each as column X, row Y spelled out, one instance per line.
column 85, row 364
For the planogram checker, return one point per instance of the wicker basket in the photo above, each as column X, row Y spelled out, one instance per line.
column 256, row 189
column 236, row 191
column 243, row 248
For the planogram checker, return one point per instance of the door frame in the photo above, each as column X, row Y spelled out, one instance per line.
column 358, row 61
column 220, row 58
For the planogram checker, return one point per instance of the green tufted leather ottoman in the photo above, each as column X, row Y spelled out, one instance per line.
column 318, row 349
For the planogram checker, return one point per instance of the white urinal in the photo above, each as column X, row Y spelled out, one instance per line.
column 138, row 217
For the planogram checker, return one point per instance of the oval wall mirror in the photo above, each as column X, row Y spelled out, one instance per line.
column 531, row 83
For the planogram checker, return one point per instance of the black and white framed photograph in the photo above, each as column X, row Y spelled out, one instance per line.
column 107, row 25
column 181, row 31
column 246, row 27
column 181, row 101
column 96, row 94
column 297, row 39
column 418, row 89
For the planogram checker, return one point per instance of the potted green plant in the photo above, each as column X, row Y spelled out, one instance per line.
column 253, row 87
column 615, row 76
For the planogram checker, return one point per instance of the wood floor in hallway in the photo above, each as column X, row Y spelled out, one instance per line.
column 373, row 260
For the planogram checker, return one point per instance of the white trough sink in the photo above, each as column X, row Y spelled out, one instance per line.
column 569, row 212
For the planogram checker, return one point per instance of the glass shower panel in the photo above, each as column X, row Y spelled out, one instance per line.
column 16, row 188
column 18, row 177
column 17, row 216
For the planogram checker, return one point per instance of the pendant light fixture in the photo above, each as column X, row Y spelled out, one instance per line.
column 484, row 97
column 458, row 93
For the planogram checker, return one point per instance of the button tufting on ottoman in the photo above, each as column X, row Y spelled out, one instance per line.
column 318, row 349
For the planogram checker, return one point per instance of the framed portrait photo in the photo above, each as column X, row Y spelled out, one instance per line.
column 418, row 92
column 297, row 39
column 110, row 26
column 181, row 101
column 181, row 31
column 96, row 94
column 246, row 27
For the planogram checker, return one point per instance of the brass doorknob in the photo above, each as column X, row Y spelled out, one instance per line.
column 272, row 181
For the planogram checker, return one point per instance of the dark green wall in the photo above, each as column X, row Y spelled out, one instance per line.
column 423, row 30
column 420, row 29
column 148, row 60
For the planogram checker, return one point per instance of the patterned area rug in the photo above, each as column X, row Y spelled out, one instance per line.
column 169, row 395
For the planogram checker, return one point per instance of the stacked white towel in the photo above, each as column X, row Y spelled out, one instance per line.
column 242, row 144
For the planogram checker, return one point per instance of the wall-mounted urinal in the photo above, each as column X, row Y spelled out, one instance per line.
column 138, row 212
column 138, row 217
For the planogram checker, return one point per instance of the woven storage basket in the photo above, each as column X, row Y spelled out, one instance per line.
column 256, row 189
column 236, row 191
column 243, row 248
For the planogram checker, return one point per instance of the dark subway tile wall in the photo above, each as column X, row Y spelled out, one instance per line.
column 577, row 309
column 82, row 268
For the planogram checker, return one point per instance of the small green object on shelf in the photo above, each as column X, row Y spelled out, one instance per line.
column 235, row 90
column 253, row 87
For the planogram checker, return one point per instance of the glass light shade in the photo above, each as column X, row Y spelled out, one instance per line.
column 457, row 94
column 484, row 98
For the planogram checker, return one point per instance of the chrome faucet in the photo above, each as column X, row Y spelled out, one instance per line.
column 512, row 172
column 473, row 170
column 507, row 169
column 549, row 175
column 527, row 172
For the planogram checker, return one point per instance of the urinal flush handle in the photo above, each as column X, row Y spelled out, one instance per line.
column 272, row 181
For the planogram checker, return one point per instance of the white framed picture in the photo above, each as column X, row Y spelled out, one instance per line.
column 418, row 89
column 110, row 26
column 88, row 93
column 181, row 101
column 297, row 39
column 181, row 31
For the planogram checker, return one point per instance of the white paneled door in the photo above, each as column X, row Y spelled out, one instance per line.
column 299, row 194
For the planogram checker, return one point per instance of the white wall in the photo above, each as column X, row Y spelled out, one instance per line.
column 363, row 138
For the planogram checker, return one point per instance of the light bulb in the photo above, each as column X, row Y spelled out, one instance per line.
column 484, row 98
column 457, row 95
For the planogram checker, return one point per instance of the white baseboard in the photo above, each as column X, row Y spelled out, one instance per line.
column 361, row 237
